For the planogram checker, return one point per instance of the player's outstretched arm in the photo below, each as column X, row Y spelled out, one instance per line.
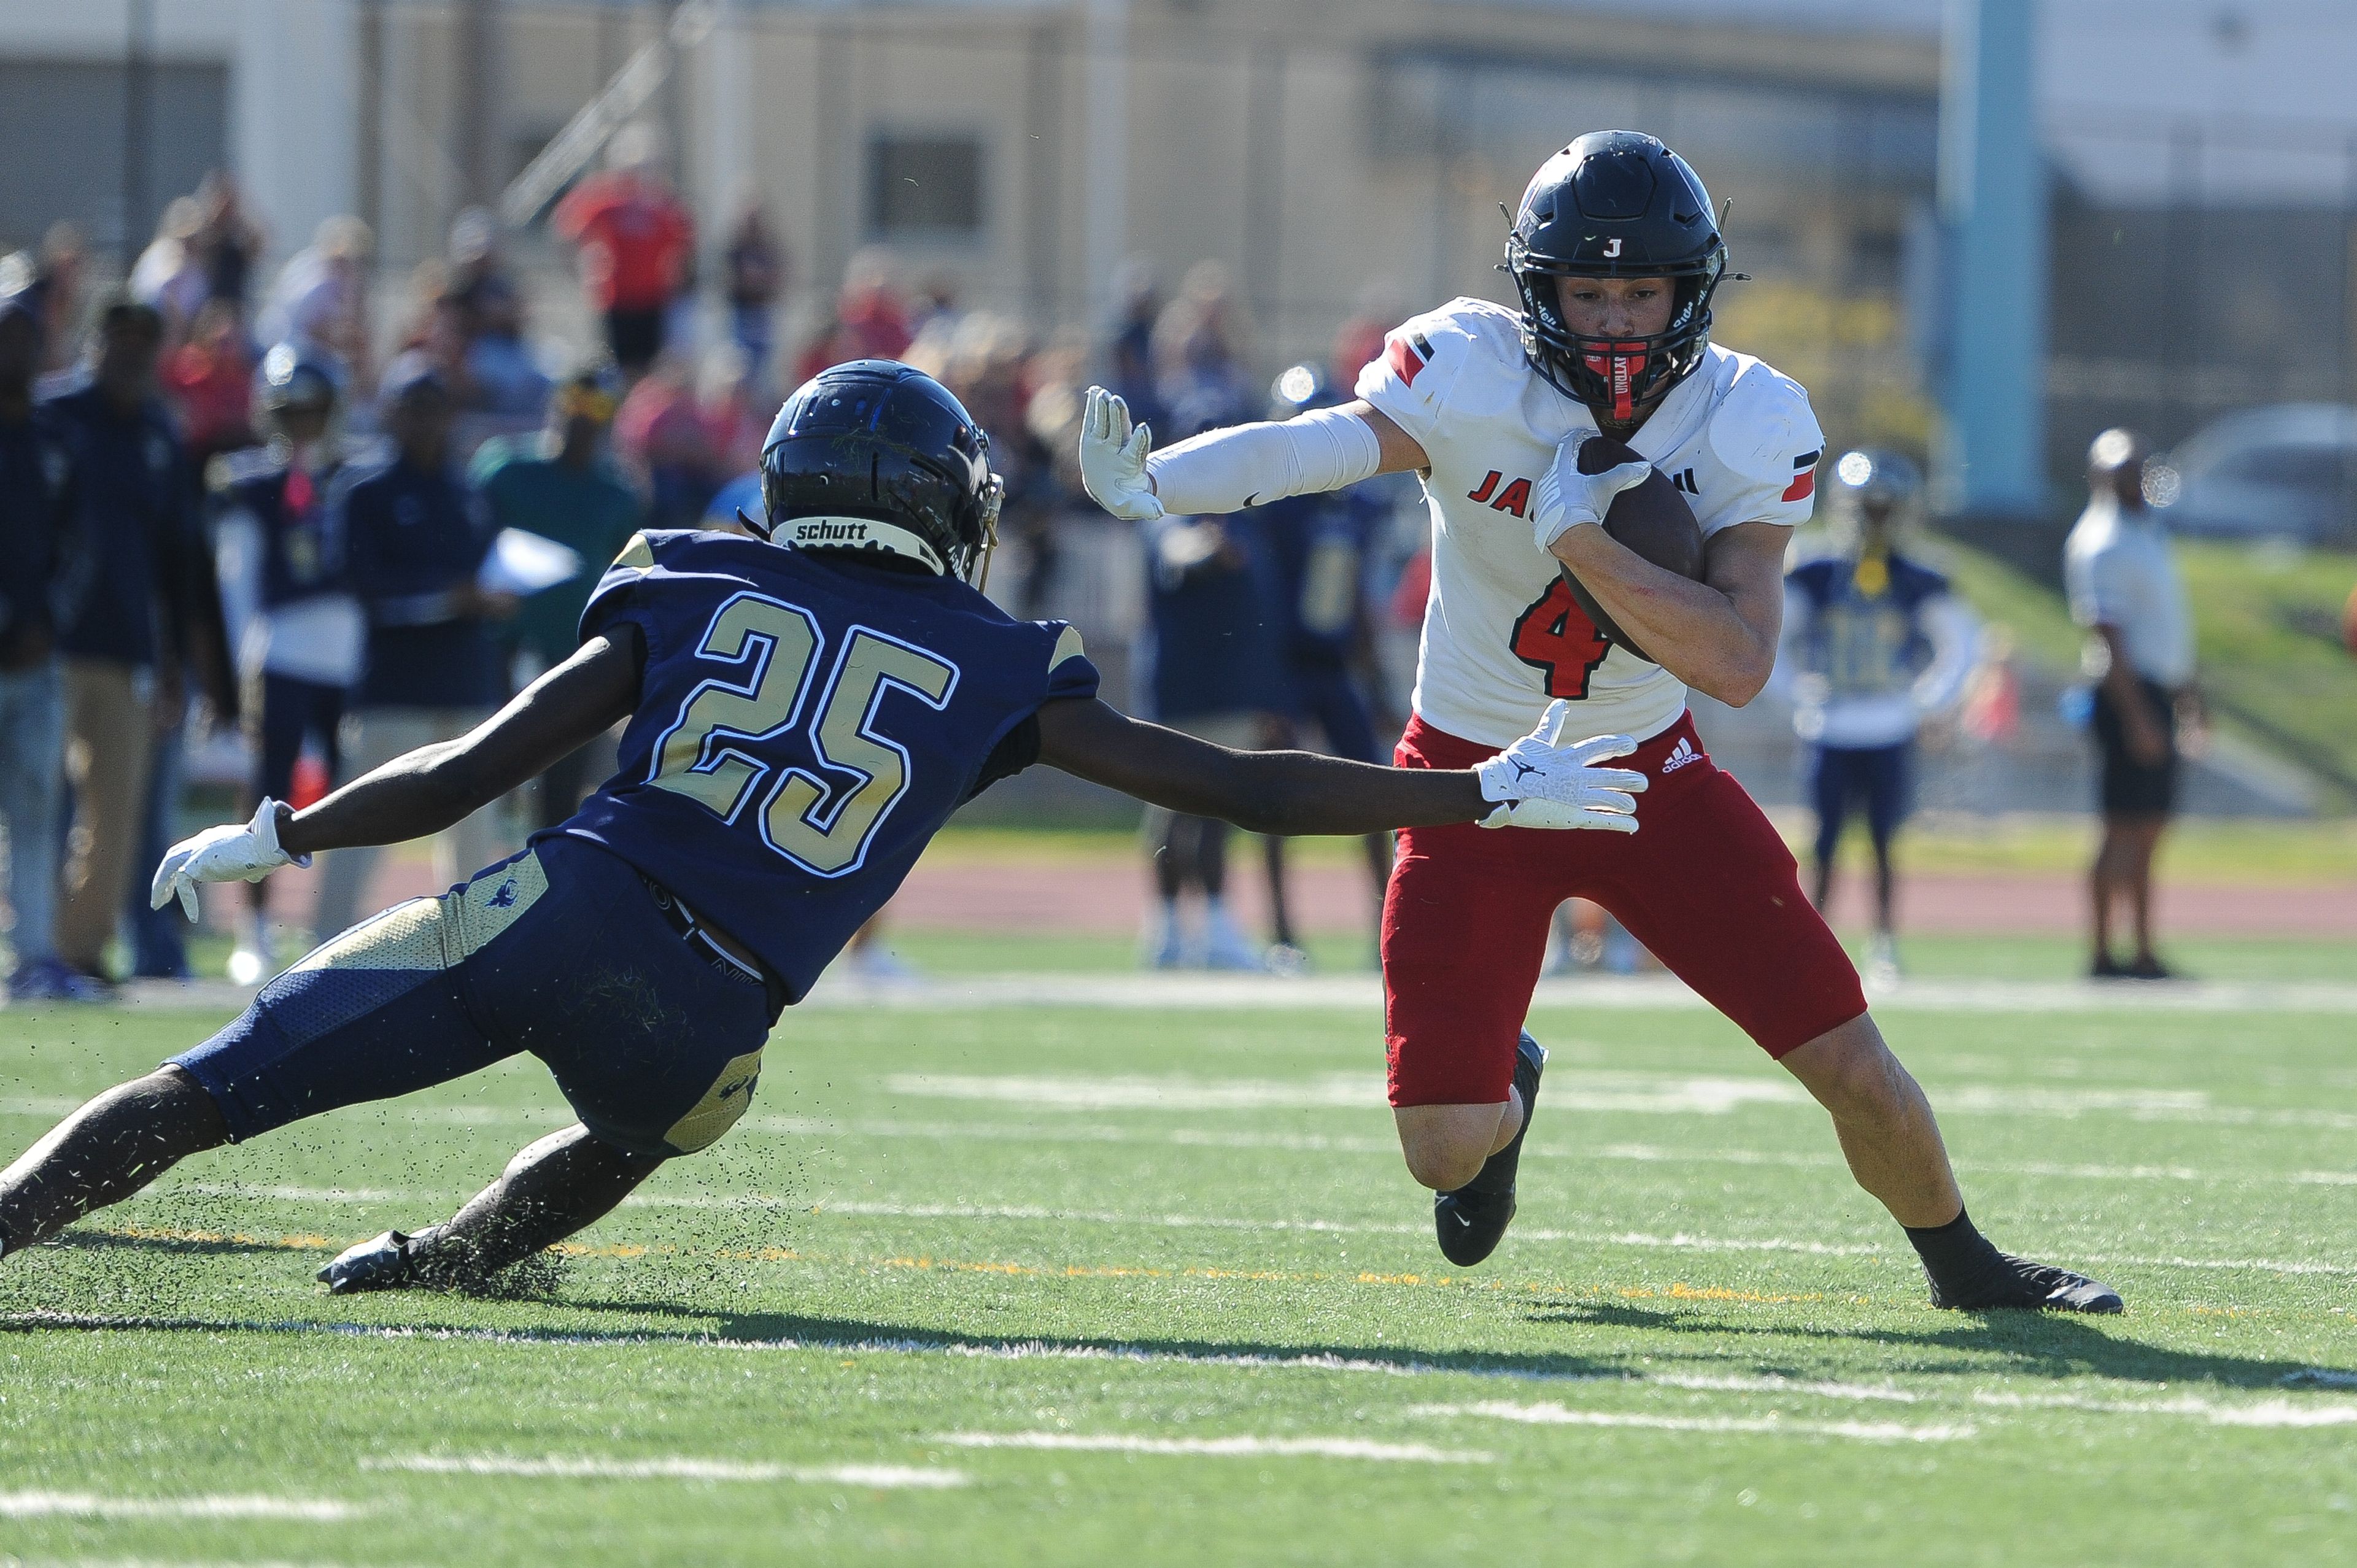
column 1244, row 465
column 436, row 786
column 427, row 789
column 1533, row 783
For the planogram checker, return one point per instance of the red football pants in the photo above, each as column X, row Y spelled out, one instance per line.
column 1705, row 883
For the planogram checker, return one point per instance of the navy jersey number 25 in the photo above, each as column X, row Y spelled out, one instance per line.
column 722, row 749
column 805, row 724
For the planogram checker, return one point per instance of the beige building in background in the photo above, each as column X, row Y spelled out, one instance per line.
column 1325, row 150
column 1320, row 148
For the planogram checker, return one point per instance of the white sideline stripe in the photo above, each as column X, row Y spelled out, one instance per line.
column 1179, row 992
column 555, row 1467
column 1561, row 1416
column 89, row 1505
column 1203, row 993
column 1639, row 1154
column 1705, row 1096
column 1644, row 1154
column 1222, row 1447
column 1567, row 1090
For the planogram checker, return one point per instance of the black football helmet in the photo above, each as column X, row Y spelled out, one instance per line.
column 873, row 456
column 1616, row 204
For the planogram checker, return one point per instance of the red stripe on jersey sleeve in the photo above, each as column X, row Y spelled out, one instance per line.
column 1802, row 487
column 1403, row 360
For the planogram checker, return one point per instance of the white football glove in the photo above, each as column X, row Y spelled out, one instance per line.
column 1566, row 497
column 1113, row 459
column 1540, row 784
column 225, row 854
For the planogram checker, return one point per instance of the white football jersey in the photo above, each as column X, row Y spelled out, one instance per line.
column 1502, row 635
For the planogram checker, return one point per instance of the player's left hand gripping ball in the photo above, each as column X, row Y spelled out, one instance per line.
column 1112, row 458
column 1540, row 784
column 225, row 854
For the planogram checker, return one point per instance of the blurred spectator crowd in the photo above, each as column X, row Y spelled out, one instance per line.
column 233, row 503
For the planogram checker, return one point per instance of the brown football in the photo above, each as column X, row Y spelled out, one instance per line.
column 1653, row 518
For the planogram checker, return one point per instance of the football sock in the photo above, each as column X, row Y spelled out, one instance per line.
column 1498, row 1172
column 1964, row 1267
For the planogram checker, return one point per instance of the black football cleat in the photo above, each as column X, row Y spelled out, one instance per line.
column 1471, row 1220
column 2021, row 1286
column 388, row 1262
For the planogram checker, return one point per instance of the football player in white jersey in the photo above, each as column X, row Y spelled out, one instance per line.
column 1617, row 253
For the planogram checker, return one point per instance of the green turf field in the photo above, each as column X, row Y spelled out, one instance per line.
column 1070, row 1286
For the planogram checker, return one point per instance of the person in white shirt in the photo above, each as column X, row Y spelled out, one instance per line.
column 1874, row 644
column 2125, row 589
column 1616, row 252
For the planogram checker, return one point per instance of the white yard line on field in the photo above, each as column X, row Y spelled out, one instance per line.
column 1681, row 1242
column 562, row 1467
column 2317, row 1411
column 92, row 1505
column 1677, row 1241
column 164, row 1562
column 2260, row 1413
column 1217, row 1448
column 1561, row 1416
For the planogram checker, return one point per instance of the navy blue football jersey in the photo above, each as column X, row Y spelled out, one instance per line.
column 301, row 535
column 806, row 723
column 1865, row 636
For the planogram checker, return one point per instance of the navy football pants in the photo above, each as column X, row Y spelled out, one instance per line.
column 1879, row 777
column 560, row 952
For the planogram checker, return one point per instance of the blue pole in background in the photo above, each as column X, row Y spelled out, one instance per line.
column 1992, row 192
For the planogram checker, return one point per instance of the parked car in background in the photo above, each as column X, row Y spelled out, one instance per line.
column 2287, row 471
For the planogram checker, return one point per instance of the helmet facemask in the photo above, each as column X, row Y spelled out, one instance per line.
column 1615, row 377
column 976, row 568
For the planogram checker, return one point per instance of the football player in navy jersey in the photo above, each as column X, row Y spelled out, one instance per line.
column 1317, row 547
column 1872, row 644
column 801, row 721
column 298, row 626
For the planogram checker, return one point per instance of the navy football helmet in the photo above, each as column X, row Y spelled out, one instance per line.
column 1872, row 490
column 289, row 377
column 1616, row 204
column 1872, row 480
column 875, row 456
column 1299, row 390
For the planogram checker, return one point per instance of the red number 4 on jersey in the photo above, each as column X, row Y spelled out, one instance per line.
column 1555, row 635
